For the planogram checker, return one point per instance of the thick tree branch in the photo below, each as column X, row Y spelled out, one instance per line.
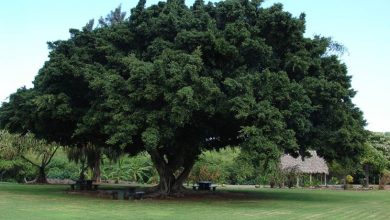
column 52, row 155
column 28, row 160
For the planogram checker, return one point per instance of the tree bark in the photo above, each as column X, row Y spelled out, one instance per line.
column 82, row 174
column 169, row 182
column 41, row 178
column 367, row 175
column 96, row 171
column 83, row 168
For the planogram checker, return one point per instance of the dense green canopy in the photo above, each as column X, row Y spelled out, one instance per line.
column 174, row 80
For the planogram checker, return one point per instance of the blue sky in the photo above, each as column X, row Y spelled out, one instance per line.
column 362, row 26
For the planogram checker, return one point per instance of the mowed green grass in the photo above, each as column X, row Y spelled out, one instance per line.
column 51, row 202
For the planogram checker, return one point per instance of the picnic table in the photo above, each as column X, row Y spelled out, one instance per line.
column 83, row 185
column 204, row 186
column 128, row 193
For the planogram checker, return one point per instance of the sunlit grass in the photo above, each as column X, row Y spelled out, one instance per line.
column 51, row 202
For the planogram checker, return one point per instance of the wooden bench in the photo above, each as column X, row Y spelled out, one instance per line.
column 195, row 187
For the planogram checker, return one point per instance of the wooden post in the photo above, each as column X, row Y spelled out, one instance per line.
column 297, row 181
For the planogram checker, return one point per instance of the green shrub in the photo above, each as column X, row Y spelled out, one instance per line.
column 223, row 166
column 62, row 168
column 138, row 169
column 334, row 180
column 384, row 180
column 349, row 179
column 16, row 170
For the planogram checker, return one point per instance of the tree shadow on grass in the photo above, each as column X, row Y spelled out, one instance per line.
column 270, row 194
column 306, row 195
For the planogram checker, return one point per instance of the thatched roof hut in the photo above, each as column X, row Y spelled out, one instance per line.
column 311, row 165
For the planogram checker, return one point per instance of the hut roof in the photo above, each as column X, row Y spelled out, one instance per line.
column 313, row 164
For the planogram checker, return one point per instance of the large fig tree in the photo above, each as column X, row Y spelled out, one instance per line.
column 174, row 80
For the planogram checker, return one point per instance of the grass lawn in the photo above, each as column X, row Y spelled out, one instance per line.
column 51, row 202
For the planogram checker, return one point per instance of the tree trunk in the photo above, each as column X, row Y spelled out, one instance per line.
column 83, row 168
column 169, row 182
column 96, row 171
column 41, row 178
column 367, row 175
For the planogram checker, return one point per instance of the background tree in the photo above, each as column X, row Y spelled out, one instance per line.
column 87, row 156
column 381, row 142
column 174, row 80
column 38, row 153
column 372, row 159
column 11, row 168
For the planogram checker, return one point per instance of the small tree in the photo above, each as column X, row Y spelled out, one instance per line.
column 273, row 172
column 372, row 159
column 87, row 156
column 342, row 169
column 385, row 179
column 292, row 176
column 38, row 153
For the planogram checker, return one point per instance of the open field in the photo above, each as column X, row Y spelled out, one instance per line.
column 51, row 202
